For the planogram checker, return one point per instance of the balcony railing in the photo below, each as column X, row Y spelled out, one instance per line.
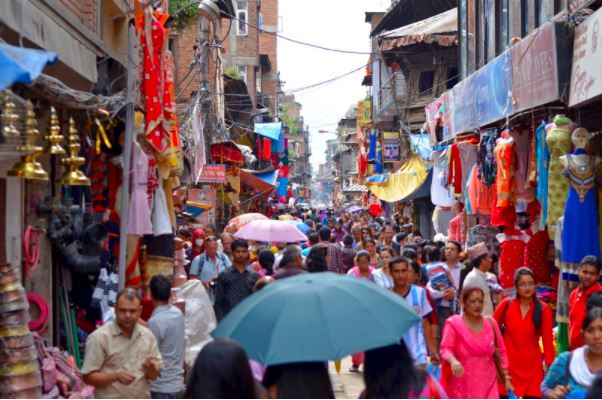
column 392, row 91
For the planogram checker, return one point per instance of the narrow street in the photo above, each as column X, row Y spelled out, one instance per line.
column 218, row 198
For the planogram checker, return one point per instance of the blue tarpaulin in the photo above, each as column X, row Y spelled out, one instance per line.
column 267, row 177
column 270, row 130
column 22, row 65
column 282, row 186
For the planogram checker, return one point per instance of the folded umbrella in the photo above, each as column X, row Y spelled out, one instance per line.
column 316, row 317
column 353, row 209
column 269, row 230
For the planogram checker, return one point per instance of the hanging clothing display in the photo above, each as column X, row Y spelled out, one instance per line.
column 558, row 140
column 457, row 228
column 536, row 255
column 486, row 157
column 152, row 38
column 484, row 233
column 372, row 147
column 378, row 166
column 504, row 158
column 580, row 235
column 462, row 157
column 161, row 220
column 522, row 147
column 362, row 165
column 139, row 216
column 480, row 195
column 440, row 195
column 512, row 244
column 441, row 218
column 504, row 217
column 543, row 163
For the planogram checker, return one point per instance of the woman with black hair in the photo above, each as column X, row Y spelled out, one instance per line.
column 305, row 380
column 317, row 259
column 523, row 321
column 266, row 260
column 389, row 373
column 221, row 371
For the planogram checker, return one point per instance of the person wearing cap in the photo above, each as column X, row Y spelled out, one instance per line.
column 480, row 263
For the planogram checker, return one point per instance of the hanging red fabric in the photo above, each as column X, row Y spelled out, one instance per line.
column 267, row 149
column 31, row 245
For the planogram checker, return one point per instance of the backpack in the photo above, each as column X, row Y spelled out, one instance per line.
column 203, row 259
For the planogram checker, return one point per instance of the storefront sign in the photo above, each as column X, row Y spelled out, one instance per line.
column 464, row 107
column 364, row 113
column 204, row 195
column 493, row 84
column 586, row 82
column 535, row 69
column 391, row 147
column 212, row 173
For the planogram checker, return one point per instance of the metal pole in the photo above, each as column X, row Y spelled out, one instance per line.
column 127, row 155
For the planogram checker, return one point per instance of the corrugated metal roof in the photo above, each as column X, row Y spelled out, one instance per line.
column 441, row 29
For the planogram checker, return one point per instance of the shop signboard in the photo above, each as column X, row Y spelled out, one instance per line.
column 586, row 82
column 212, row 173
column 204, row 195
column 492, row 87
column 535, row 69
column 464, row 108
column 391, row 147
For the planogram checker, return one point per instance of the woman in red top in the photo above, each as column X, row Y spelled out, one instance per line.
column 523, row 320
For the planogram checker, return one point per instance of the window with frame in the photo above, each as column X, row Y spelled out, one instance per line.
column 425, row 82
column 242, row 72
column 502, row 25
column 242, row 13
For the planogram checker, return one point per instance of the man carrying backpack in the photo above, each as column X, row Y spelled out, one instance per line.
column 208, row 265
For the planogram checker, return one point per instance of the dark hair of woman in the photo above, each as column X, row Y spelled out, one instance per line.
column 221, row 371
column 524, row 271
column 409, row 253
column 316, row 260
column 389, row 373
column 467, row 291
column 308, row 380
column 266, row 260
column 388, row 249
column 591, row 316
column 368, row 240
column 362, row 253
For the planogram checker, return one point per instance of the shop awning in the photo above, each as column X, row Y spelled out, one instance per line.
column 270, row 130
column 441, row 29
column 22, row 65
column 355, row 189
column 263, row 182
column 403, row 183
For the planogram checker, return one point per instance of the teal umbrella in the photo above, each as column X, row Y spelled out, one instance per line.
column 316, row 317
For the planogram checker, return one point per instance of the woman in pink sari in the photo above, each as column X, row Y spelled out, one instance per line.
column 467, row 349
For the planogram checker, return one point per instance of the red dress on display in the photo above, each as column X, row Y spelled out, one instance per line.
column 536, row 255
column 512, row 244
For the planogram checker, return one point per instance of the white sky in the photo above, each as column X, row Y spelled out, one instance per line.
column 335, row 24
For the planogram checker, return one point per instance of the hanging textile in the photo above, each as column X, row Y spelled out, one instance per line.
column 462, row 157
column 486, row 157
column 266, row 149
column 513, row 243
column 378, row 166
column 543, row 161
column 152, row 38
column 580, row 235
column 362, row 165
column 504, row 158
column 558, row 139
column 440, row 195
column 139, row 216
column 522, row 146
column 480, row 195
column 372, row 147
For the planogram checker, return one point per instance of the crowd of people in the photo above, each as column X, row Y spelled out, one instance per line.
column 483, row 342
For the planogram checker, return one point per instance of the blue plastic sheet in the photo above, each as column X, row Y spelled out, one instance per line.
column 270, row 130
column 22, row 65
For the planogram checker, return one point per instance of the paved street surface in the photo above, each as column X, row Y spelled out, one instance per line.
column 346, row 385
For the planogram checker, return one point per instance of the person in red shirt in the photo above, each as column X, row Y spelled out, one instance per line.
column 524, row 319
column 589, row 277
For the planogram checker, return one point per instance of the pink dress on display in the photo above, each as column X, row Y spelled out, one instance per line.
column 139, row 218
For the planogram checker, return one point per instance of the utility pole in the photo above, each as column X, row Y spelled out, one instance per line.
column 127, row 154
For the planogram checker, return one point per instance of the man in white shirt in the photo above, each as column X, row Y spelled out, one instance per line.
column 481, row 262
column 418, row 343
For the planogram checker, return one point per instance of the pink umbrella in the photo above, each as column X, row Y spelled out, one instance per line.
column 269, row 230
column 244, row 219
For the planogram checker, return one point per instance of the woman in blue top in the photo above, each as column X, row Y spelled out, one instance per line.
column 572, row 374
